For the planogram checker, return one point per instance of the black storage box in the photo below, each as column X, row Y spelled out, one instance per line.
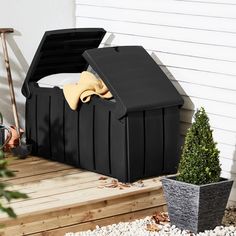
column 136, row 136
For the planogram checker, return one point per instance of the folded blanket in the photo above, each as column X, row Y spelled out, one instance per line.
column 87, row 86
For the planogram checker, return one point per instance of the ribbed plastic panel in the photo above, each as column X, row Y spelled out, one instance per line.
column 143, row 144
column 132, row 138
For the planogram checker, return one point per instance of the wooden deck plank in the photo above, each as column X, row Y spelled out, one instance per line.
column 63, row 198
column 45, row 167
column 46, row 190
column 87, row 213
column 35, row 170
column 36, row 178
column 79, row 197
column 60, row 181
column 12, row 161
column 44, row 187
column 102, row 222
column 68, row 210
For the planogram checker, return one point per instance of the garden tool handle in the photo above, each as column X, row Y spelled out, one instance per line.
column 3, row 31
column 6, row 30
column 1, row 118
column 8, row 137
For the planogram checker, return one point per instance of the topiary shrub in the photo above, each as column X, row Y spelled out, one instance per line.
column 199, row 163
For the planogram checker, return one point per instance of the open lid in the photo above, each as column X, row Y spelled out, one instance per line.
column 134, row 78
column 60, row 51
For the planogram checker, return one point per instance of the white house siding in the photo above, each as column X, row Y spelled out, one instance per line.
column 195, row 40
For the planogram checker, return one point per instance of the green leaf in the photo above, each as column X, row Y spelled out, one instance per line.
column 10, row 212
column 4, row 173
column 2, row 155
column 7, row 194
column 3, row 163
column 3, row 186
column 16, row 195
column 199, row 162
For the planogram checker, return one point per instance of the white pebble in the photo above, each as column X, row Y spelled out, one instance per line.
column 138, row 228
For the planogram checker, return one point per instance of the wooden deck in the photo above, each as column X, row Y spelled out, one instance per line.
column 64, row 199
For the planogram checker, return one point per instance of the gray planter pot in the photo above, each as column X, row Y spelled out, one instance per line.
column 196, row 207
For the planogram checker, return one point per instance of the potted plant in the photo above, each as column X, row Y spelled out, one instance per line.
column 197, row 196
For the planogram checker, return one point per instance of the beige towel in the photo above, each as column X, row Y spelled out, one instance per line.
column 87, row 86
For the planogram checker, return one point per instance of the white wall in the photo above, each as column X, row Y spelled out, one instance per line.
column 30, row 19
column 196, row 41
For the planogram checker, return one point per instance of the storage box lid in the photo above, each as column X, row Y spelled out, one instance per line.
column 60, row 51
column 134, row 78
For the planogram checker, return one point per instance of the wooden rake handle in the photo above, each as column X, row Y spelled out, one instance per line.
column 4, row 31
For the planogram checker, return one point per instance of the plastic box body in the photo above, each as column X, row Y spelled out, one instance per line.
column 135, row 137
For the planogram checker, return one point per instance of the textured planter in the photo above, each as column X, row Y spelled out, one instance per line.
column 196, row 207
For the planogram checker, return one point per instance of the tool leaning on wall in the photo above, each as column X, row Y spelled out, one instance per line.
column 20, row 149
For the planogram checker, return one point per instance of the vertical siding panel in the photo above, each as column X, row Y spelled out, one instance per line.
column 57, row 130
column 28, row 118
column 118, row 148
column 71, row 136
column 86, row 136
column 31, row 123
column 135, row 142
column 101, row 142
column 171, row 137
column 43, row 131
column 153, row 142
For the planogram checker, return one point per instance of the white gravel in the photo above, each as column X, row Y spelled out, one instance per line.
column 139, row 228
